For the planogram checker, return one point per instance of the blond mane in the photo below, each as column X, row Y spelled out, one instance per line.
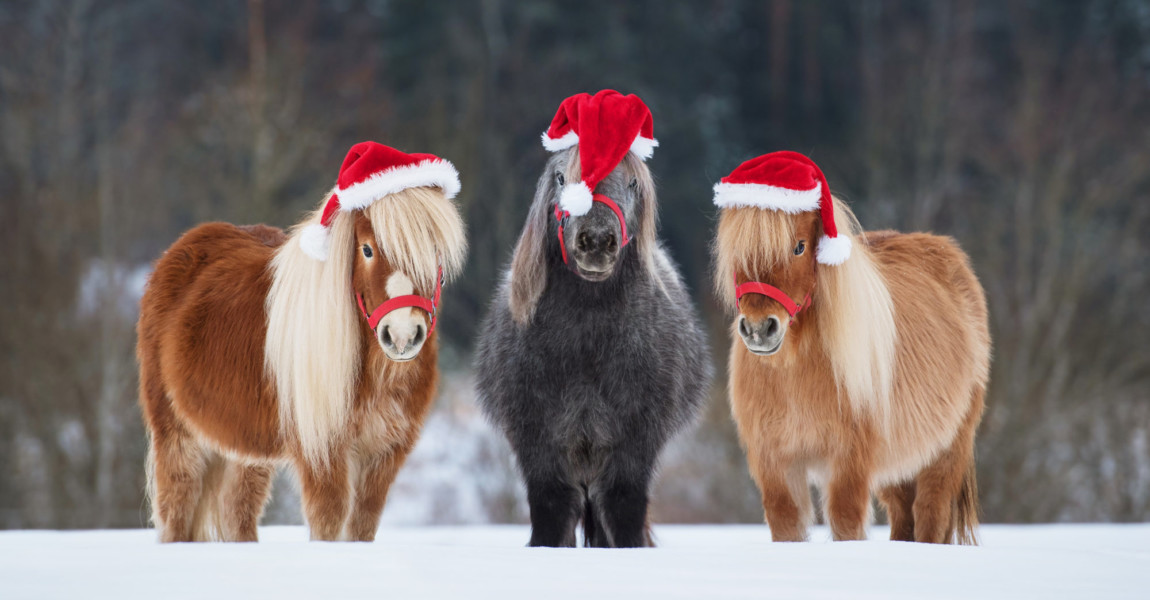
column 856, row 323
column 852, row 304
column 312, row 349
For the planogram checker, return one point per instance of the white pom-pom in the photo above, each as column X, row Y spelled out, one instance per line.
column 560, row 143
column 833, row 251
column 315, row 242
column 644, row 147
column 576, row 199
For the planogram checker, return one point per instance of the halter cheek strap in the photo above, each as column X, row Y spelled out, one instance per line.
column 772, row 292
column 431, row 306
column 562, row 216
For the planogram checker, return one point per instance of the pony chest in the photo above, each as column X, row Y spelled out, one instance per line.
column 383, row 422
column 591, row 340
column 390, row 411
column 783, row 409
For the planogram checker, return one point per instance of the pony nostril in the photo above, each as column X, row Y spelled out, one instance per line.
column 419, row 334
column 743, row 329
column 387, row 341
column 582, row 242
column 772, row 328
column 612, row 243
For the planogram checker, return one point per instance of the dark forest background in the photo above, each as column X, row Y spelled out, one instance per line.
column 1022, row 128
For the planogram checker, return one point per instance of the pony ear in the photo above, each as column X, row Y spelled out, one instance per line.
column 528, row 276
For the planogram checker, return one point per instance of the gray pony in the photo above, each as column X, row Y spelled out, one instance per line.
column 590, row 367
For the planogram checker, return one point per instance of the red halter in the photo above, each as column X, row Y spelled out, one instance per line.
column 772, row 292
column 410, row 300
column 562, row 215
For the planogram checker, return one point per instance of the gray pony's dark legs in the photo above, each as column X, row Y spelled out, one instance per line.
column 620, row 496
column 555, row 510
column 554, row 502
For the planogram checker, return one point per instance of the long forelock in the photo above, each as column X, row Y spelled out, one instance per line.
column 751, row 240
column 417, row 230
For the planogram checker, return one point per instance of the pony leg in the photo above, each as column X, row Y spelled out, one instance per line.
column 554, row 507
column 245, row 493
column 371, row 494
column 594, row 536
column 624, row 514
column 899, row 502
column 177, row 465
column 786, row 496
column 785, row 517
column 938, row 485
column 848, row 498
column 325, row 492
column 621, row 495
column 946, row 506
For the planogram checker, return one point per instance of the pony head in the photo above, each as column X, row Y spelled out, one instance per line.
column 316, row 329
column 842, row 311
column 591, row 245
column 392, row 260
column 595, row 241
column 774, row 249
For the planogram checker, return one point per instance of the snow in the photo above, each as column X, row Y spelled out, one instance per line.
column 1046, row 561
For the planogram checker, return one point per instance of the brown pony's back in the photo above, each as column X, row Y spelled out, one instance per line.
column 204, row 314
column 272, row 237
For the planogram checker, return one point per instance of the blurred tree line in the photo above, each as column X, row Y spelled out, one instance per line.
column 1022, row 128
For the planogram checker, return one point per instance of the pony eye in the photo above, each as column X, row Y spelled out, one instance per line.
column 560, row 179
column 366, row 251
column 801, row 247
column 634, row 183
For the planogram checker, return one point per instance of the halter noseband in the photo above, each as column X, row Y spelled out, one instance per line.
column 562, row 215
column 410, row 300
column 772, row 292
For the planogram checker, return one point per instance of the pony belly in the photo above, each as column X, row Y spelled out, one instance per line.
column 913, row 444
column 249, row 440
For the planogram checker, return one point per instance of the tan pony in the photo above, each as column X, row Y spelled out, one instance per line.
column 254, row 350
column 859, row 360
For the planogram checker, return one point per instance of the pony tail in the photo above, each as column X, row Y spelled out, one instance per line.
column 966, row 509
column 857, row 326
column 528, row 275
column 312, row 348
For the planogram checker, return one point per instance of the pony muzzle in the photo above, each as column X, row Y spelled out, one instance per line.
column 401, row 334
column 599, row 240
column 763, row 337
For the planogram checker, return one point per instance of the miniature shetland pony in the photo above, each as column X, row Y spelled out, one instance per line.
column 254, row 353
column 863, row 376
column 592, row 357
column 589, row 378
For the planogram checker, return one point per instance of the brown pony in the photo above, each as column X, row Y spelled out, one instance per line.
column 876, row 384
column 253, row 353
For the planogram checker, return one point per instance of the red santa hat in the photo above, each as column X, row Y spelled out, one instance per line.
column 792, row 183
column 606, row 126
column 369, row 172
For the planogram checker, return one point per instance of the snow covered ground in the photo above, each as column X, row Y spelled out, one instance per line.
column 1054, row 561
